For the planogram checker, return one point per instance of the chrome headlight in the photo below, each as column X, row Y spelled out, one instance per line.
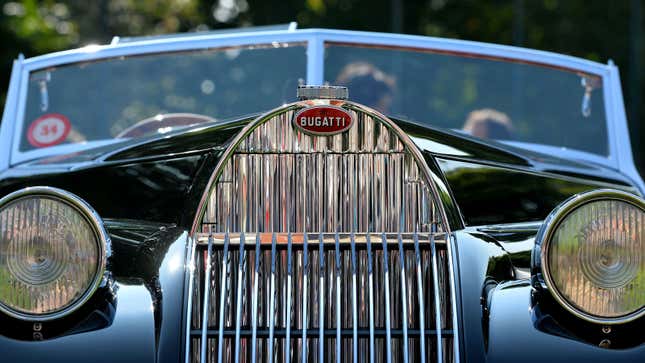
column 53, row 253
column 590, row 255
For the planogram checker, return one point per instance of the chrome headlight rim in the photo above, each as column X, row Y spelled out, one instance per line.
column 545, row 235
column 103, row 247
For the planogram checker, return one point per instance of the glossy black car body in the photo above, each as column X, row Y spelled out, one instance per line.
column 148, row 192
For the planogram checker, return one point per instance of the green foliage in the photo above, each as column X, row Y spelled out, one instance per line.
column 45, row 26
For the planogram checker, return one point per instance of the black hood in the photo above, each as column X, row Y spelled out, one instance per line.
column 441, row 142
column 126, row 179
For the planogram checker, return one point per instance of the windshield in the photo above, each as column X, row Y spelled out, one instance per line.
column 489, row 98
column 137, row 96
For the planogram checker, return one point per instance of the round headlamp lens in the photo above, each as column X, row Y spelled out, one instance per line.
column 595, row 258
column 50, row 255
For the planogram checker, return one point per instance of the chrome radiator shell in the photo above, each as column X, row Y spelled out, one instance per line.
column 277, row 198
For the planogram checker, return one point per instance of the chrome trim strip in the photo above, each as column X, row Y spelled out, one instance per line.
column 254, row 307
column 422, row 318
column 305, row 281
column 386, row 282
column 354, row 301
column 321, row 300
column 241, row 272
column 222, row 298
column 288, row 309
column 207, row 289
column 404, row 302
column 539, row 261
column 272, row 299
column 189, row 303
column 370, row 282
column 328, row 238
column 338, row 306
column 104, row 246
column 450, row 240
column 522, row 227
column 437, row 301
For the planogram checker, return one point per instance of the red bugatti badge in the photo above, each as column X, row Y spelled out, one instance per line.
column 323, row 120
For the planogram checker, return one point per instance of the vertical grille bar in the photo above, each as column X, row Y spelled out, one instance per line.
column 321, row 301
column 287, row 343
column 272, row 298
column 191, row 281
column 437, row 302
column 207, row 294
column 455, row 339
column 240, row 285
column 370, row 284
column 422, row 319
column 386, row 282
column 222, row 299
column 254, row 307
column 404, row 301
column 338, row 307
column 354, row 302
column 305, row 293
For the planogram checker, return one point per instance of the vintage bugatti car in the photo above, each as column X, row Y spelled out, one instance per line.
column 318, row 195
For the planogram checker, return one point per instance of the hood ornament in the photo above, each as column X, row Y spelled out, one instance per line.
column 307, row 92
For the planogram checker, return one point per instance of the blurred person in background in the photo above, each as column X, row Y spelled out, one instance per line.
column 368, row 85
column 487, row 123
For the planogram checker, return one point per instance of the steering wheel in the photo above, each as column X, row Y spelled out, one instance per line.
column 163, row 123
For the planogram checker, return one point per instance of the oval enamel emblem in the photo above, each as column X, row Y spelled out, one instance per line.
column 323, row 120
column 48, row 130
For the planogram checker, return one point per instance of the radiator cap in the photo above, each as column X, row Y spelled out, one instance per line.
column 307, row 92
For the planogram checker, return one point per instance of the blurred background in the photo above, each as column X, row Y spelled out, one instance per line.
column 594, row 30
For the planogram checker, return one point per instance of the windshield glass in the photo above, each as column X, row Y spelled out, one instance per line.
column 137, row 96
column 487, row 98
